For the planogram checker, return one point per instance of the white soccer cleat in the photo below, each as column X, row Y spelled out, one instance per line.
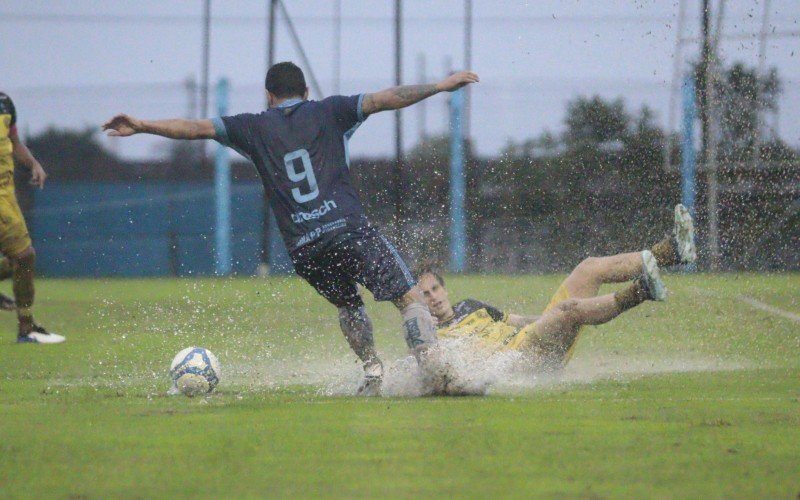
column 684, row 235
column 373, row 379
column 651, row 278
column 41, row 338
column 370, row 387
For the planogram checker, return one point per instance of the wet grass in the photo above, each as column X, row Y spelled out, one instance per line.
column 699, row 396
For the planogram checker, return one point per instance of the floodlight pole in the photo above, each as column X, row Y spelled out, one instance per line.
column 712, row 76
column 273, row 4
column 676, row 74
column 706, row 123
column 269, row 227
column 762, row 59
column 206, row 57
column 205, row 70
column 688, row 186
column 398, row 122
column 467, row 63
column 705, row 58
column 337, row 46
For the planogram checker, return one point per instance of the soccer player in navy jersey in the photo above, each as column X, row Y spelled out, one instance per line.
column 299, row 148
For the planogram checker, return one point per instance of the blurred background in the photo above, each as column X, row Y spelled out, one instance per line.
column 592, row 119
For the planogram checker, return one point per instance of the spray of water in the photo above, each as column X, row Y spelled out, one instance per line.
column 471, row 370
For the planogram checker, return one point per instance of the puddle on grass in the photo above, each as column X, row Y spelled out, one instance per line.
column 475, row 371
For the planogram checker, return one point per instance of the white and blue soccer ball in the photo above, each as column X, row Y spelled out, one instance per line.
column 194, row 371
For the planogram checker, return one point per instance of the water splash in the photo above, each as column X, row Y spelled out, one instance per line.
column 473, row 370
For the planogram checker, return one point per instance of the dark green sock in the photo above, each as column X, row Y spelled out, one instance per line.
column 631, row 296
column 6, row 269
column 665, row 253
column 24, row 273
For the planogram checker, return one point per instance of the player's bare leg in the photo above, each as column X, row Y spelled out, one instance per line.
column 558, row 328
column 357, row 329
column 24, row 265
column 420, row 330
column 420, row 333
column 587, row 277
column 676, row 248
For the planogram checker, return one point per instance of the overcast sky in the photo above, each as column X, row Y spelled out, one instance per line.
column 75, row 63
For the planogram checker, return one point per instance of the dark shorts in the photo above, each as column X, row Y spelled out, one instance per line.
column 366, row 258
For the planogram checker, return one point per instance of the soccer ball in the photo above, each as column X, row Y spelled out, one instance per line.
column 195, row 371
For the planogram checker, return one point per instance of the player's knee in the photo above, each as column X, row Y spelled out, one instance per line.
column 346, row 312
column 589, row 265
column 411, row 297
column 351, row 314
column 26, row 256
column 568, row 309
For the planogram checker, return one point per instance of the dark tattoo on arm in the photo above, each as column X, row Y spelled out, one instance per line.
column 410, row 94
column 396, row 97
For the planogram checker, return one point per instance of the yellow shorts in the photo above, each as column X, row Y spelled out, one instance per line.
column 529, row 339
column 14, row 237
column 560, row 296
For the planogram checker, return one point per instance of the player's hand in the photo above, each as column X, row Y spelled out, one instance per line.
column 38, row 175
column 457, row 80
column 122, row 126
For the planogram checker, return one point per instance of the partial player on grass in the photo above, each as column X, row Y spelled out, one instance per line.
column 550, row 337
column 19, row 261
column 299, row 148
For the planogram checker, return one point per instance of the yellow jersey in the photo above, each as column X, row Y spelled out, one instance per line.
column 480, row 320
column 8, row 123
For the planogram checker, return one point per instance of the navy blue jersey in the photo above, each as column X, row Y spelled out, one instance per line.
column 300, row 152
column 466, row 307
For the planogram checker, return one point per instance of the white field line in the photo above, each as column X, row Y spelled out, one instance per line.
column 757, row 304
column 770, row 309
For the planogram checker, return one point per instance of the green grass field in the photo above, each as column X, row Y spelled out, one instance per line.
column 696, row 397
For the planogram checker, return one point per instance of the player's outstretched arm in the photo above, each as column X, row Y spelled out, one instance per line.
column 406, row 95
column 24, row 157
column 123, row 125
column 518, row 321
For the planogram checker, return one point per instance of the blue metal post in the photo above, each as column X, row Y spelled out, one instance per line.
column 688, row 188
column 222, row 190
column 688, row 166
column 458, row 234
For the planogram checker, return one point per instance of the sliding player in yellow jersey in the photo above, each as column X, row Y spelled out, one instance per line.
column 19, row 261
column 549, row 338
